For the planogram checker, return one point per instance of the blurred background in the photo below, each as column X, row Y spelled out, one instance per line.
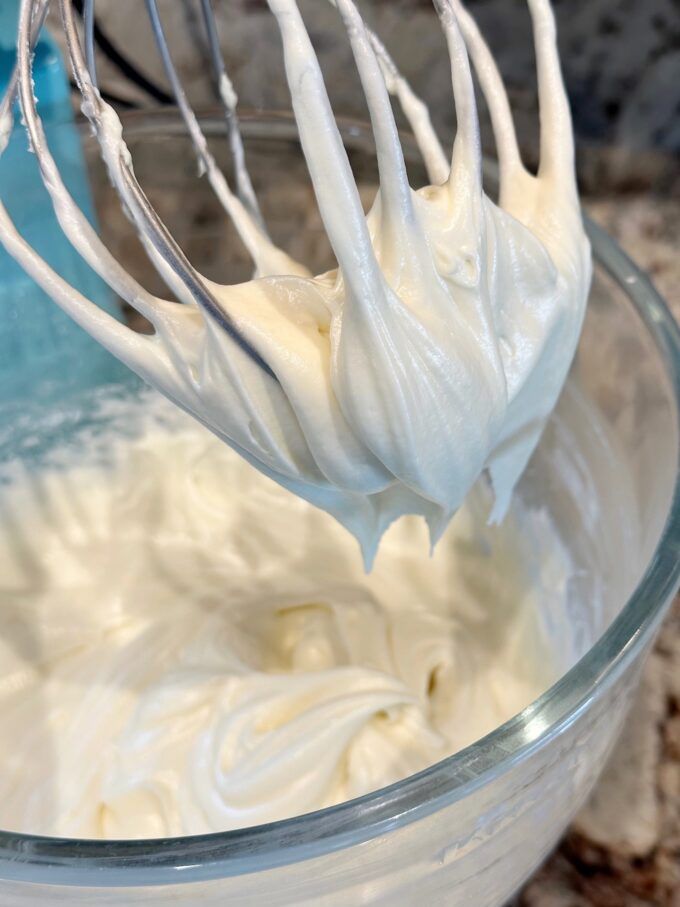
column 621, row 61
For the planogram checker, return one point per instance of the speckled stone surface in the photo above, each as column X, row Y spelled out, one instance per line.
column 623, row 850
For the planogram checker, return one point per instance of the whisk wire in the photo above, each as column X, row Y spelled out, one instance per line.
column 147, row 220
column 88, row 29
column 227, row 97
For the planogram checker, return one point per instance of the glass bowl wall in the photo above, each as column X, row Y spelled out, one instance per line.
column 468, row 830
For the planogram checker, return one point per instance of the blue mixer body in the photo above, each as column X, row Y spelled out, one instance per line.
column 36, row 338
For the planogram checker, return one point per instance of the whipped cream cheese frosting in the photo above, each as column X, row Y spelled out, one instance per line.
column 437, row 347
column 187, row 648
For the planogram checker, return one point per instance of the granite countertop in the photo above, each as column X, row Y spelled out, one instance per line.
column 623, row 850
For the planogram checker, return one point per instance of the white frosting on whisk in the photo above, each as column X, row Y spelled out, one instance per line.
column 438, row 346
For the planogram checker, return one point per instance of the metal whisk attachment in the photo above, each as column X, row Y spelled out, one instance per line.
column 242, row 206
column 170, row 259
column 212, row 356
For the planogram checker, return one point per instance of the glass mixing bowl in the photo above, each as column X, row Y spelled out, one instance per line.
column 469, row 829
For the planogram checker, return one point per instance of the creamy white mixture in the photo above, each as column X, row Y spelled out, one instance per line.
column 186, row 647
column 437, row 347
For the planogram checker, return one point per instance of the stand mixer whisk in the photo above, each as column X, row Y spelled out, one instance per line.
column 436, row 349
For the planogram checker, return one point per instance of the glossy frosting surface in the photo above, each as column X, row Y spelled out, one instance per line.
column 186, row 647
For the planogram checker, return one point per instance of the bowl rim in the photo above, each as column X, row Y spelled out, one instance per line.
column 82, row 862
